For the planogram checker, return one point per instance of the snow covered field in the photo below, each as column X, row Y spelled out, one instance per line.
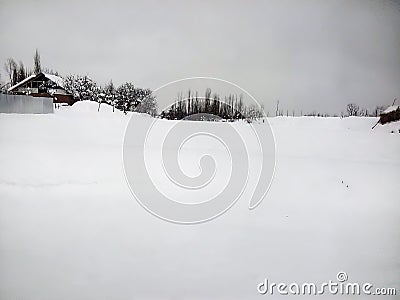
column 70, row 228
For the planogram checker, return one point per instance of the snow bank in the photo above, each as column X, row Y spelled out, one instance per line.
column 91, row 107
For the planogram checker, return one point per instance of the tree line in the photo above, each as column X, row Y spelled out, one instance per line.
column 231, row 107
column 352, row 109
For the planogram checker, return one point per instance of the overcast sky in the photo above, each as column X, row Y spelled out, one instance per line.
column 312, row 55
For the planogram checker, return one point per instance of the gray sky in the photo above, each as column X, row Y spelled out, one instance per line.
column 310, row 54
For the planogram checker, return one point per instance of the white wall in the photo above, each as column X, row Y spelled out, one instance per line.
column 21, row 104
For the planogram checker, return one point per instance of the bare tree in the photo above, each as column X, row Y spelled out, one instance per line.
column 277, row 108
column 50, row 71
column 352, row 109
column 21, row 72
column 10, row 67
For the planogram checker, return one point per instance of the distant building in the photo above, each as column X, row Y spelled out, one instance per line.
column 391, row 114
column 43, row 85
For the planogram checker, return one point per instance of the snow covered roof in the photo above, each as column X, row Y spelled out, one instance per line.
column 391, row 108
column 21, row 82
column 54, row 78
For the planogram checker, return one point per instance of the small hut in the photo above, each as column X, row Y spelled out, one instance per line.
column 391, row 114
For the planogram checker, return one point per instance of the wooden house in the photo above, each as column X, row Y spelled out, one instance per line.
column 43, row 85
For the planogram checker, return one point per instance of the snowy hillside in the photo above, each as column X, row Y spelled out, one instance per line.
column 70, row 228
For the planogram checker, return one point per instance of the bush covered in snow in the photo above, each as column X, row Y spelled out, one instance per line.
column 82, row 88
column 126, row 97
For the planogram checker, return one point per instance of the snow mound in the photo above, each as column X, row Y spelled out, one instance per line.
column 92, row 106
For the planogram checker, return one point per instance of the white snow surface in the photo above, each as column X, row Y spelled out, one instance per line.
column 70, row 228
column 92, row 108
